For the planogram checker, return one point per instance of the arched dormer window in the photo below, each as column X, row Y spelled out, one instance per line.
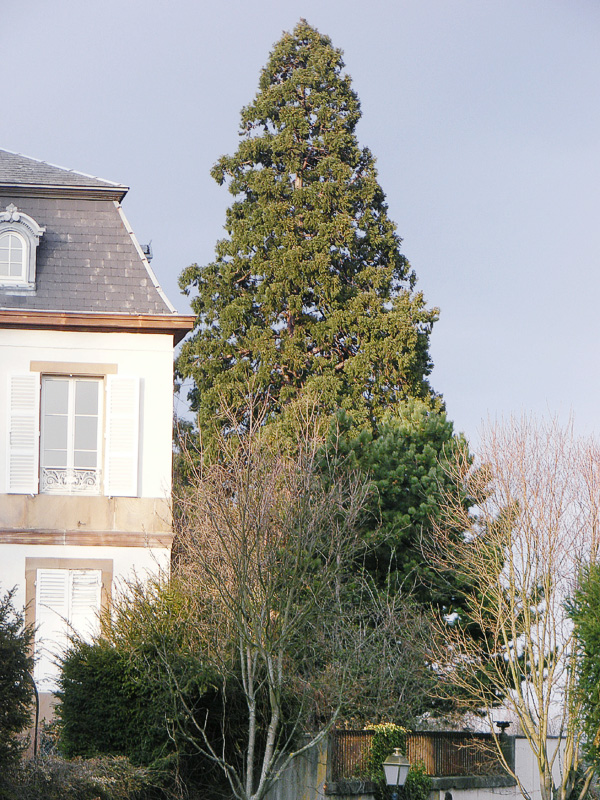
column 13, row 249
column 19, row 238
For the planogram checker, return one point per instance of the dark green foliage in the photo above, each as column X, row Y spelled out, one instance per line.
column 410, row 459
column 105, row 707
column 406, row 459
column 366, row 659
column 16, row 689
column 186, row 457
column 386, row 738
column 309, row 290
column 418, row 784
column 584, row 610
column 118, row 693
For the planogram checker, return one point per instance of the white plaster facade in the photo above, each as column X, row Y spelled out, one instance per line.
column 148, row 357
column 82, row 531
column 86, row 378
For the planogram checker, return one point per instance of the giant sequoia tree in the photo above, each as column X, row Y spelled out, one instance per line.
column 309, row 289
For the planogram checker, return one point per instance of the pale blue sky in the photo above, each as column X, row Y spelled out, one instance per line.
column 483, row 116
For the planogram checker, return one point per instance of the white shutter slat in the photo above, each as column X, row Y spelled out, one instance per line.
column 67, row 601
column 122, row 436
column 23, row 428
column 51, row 615
column 86, row 586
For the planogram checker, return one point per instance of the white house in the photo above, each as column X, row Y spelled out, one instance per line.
column 86, row 379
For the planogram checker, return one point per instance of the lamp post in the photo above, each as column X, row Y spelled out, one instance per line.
column 396, row 769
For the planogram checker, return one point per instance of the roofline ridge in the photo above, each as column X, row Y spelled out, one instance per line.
column 142, row 255
column 66, row 169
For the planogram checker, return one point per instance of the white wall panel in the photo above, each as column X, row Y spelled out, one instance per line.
column 148, row 357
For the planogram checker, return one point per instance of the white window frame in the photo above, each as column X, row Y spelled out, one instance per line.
column 70, row 479
column 119, row 426
column 20, row 277
column 29, row 232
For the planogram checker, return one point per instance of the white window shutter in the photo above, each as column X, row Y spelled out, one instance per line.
column 23, row 433
column 122, row 436
column 86, row 585
column 51, row 618
column 67, row 602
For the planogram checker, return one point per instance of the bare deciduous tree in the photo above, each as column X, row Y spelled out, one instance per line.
column 537, row 490
column 264, row 544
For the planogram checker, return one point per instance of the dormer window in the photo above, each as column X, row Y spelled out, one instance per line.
column 12, row 256
column 19, row 237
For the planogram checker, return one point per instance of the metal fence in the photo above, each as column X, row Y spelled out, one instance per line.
column 443, row 754
column 348, row 754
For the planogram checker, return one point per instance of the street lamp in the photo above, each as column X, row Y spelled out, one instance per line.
column 396, row 769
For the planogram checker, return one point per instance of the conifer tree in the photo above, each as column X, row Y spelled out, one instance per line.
column 409, row 465
column 16, row 688
column 309, row 290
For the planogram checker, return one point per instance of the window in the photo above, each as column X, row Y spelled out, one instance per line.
column 70, row 453
column 19, row 237
column 12, row 256
column 67, row 601
column 71, row 434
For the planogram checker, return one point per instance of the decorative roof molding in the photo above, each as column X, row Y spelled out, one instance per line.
column 12, row 214
column 14, row 221
column 144, row 259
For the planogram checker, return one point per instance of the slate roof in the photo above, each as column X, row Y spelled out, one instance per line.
column 87, row 259
column 16, row 169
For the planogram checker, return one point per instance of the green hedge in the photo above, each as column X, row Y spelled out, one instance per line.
column 129, row 692
column 16, row 688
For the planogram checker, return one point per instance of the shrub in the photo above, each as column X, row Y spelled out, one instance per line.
column 418, row 783
column 129, row 692
column 54, row 778
column 16, row 688
column 386, row 738
column 103, row 708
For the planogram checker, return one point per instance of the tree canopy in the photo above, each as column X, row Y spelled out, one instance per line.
column 533, row 524
column 407, row 459
column 309, row 289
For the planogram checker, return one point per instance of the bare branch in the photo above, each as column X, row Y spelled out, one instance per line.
column 534, row 521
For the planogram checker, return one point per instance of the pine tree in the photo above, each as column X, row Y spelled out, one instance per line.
column 309, row 290
column 409, row 463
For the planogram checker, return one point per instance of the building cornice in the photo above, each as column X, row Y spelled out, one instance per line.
column 57, row 191
column 87, row 538
column 177, row 325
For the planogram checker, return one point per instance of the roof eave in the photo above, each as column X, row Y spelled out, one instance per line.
column 56, row 190
column 177, row 325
